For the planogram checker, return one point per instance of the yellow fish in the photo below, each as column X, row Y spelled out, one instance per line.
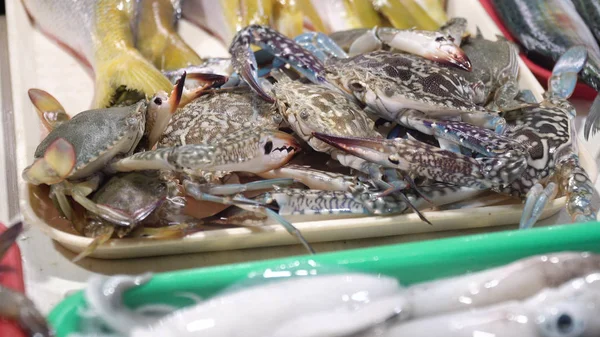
column 99, row 32
column 156, row 37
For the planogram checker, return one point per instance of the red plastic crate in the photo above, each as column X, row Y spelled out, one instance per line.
column 582, row 90
column 11, row 279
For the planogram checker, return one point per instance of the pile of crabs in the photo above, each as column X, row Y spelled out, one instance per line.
column 388, row 121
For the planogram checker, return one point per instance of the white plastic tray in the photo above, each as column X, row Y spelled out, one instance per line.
column 38, row 62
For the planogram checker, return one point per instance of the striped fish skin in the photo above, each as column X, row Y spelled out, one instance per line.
column 590, row 13
column 546, row 29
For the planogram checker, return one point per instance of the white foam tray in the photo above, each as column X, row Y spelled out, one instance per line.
column 38, row 62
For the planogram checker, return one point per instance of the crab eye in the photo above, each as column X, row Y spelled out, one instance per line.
column 394, row 160
column 158, row 101
column 277, row 119
column 440, row 39
column 268, row 147
column 357, row 86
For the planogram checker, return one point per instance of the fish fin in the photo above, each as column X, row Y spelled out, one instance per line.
column 129, row 73
column 49, row 109
column 592, row 122
column 177, row 54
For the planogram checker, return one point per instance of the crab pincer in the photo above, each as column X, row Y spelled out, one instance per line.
column 282, row 47
column 434, row 46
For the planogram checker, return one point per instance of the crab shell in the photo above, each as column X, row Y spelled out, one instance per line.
column 312, row 108
column 389, row 82
column 87, row 142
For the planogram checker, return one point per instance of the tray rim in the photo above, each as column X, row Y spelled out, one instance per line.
column 77, row 243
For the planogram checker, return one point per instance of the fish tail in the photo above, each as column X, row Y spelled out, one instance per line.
column 128, row 72
column 177, row 54
column 156, row 35
column 592, row 122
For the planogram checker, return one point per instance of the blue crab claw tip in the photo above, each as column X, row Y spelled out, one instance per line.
column 371, row 149
column 450, row 55
column 460, row 60
column 247, row 74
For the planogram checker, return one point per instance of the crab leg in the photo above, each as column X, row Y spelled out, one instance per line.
column 230, row 189
column 480, row 140
column 362, row 201
column 251, row 151
column 195, row 190
column 281, row 220
column 571, row 176
column 579, row 190
column 314, row 179
column 49, row 109
column 431, row 162
column 537, row 198
column 321, row 45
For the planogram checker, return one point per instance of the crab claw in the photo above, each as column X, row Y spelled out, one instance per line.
column 162, row 107
column 433, row 46
column 49, row 109
column 208, row 81
column 243, row 59
column 57, row 163
column 446, row 52
column 375, row 150
column 270, row 151
column 177, row 93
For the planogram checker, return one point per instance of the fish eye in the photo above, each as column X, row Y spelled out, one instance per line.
column 158, row 101
column 357, row 86
column 565, row 319
column 268, row 147
column 440, row 39
column 304, row 114
column 564, row 323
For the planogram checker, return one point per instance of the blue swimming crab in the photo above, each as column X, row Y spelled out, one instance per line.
column 305, row 108
column 73, row 162
column 387, row 82
column 541, row 144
